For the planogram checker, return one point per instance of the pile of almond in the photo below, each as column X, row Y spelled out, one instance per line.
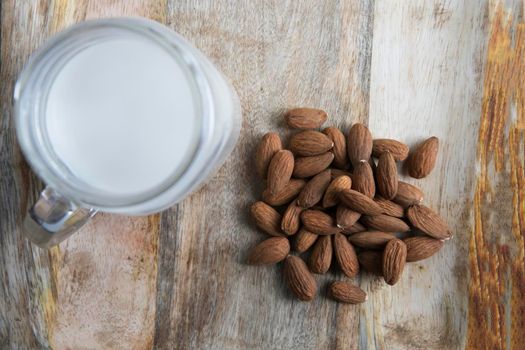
column 341, row 197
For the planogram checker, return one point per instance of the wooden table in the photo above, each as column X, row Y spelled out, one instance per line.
column 454, row 69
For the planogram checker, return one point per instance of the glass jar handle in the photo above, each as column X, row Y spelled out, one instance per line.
column 53, row 218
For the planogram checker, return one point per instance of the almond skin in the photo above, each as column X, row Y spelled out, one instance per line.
column 270, row 144
column 299, row 279
column 355, row 228
column 286, row 195
column 338, row 172
column 314, row 190
column 398, row 149
column 321, row 256
column 310, row 143
column 359, row 144
column 319, row 223
column 425, row 219
column 304, row 240
column 394, row 258
column 371, row 261
column 305, row 118
column 331, row 196
column 345, row 255
column 359, row 202
column 339, row 149
column 421, row 247
column 267, row 218
column 363, row 179
column 371, row 239
column 280, row 170
column 347, row 293
column 346, row 218
column 421, row 162
column 407, row 195
column 386, row 175
column 269, row 251
column 385, row 223
column 291, row 220
column 310, row 166
column 390, row 208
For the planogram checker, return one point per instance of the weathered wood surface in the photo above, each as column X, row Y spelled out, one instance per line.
column 455, row 69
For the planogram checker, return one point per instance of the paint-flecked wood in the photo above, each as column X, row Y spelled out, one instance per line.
column 177, row 280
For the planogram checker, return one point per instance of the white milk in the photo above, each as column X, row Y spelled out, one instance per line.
column 120, row 116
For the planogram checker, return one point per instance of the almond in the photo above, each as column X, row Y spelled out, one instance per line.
column 291, row 219
column 314, row 190
column 346, row 218
column 331, row 196
column 289, row 192
column 299, row 279
column 267, row 218
column 421, row 247
column 339, row 149
column 359, row 144
column 318, row 222
column 270, row 144
column 407, row 194
column 425, row 219
column 310, row 166
column 345, row 255
column 397, row 149
column 345, row 292
column 371, row 239
column 269, row 251
column 363, row 179
column 421, row 162
column 304, row 240
column 390, row 208
column 280, row 170
column 386, row 176
column 310, row 143
column 338, row 172
column 371, row 261
column 385, row 223
column 305, row 118
column 359, row 202
column 321, row 256
column 355, row 228
column 394, row 257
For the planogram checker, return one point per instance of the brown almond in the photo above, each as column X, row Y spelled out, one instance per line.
column 425, row 219
column 371, row 261
column 339, row 149
column 346, row 218
column 385, row 223
column 390, row 208
column 305, row 118
column 386, row 175
column 407, row 194
column 394, row 258
column 269, row 251
column 355, row 228
column 289, row 192
column 299, row 279
column 314, row 189
column 371, row 239
column 318, row 222
column 310, row 166
column 310, row 143
column 363, row 179
column 270, row 144
column 345, row 255
column 345, row 292
column 398, row 149
column 291, row 219
column 359, row 144
column 421, row 247
column 421, row 162
column 304, row 240
column 359, row 202
column 267, row 218
column 338, row 172
column 331, row 196
column 321, row 256
column 280, row 170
